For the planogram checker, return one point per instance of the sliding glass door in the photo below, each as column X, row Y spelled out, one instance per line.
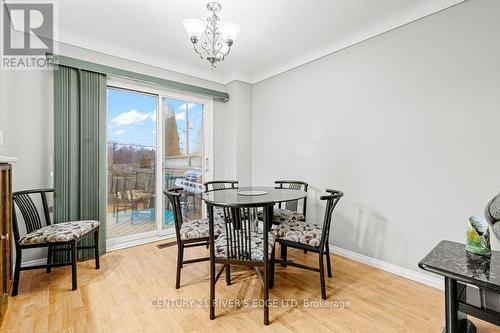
column 183, row 154
column 156, row 140
column 131, row 163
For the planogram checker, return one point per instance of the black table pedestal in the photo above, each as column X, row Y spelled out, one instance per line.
column 456, row 321
column 464, row 326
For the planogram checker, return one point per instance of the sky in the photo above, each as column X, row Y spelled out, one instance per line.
column 132, row 118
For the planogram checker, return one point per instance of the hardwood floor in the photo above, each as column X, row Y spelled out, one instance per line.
column 130, row 293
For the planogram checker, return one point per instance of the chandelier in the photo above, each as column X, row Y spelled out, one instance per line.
column 212, row 40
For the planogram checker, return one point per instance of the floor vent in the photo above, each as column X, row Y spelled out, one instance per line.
column 165, row 245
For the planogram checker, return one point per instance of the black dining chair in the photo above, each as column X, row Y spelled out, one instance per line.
column 290, row 211
column 311, row 237
column 56, row 237
column 189, row 233
column 217, row 185
column 242, row 244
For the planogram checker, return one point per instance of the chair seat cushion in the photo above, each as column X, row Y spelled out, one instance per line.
column 219, row 212
column 256, row 248
column 283, row 215
column 299, row 232
column 60, row 232
column 193, row 229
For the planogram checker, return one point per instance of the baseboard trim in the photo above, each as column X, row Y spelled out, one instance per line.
column 137, row 242
column 34, row 262
column 423, row 278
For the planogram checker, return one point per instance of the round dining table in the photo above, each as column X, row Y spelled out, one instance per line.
column 252, row 196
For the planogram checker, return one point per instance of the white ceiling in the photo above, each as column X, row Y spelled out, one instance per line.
column 276, row 35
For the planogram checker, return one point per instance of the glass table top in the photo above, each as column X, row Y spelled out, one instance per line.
column 252, row 196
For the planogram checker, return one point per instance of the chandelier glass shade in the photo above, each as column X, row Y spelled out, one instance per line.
column 212, row 39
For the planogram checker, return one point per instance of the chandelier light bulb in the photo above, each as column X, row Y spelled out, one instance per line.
column 229, row 31
column 194, row 28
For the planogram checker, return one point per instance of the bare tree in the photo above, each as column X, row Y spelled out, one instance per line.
column 172, row 142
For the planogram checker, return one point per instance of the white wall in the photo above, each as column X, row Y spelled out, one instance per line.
column 26, row 119
column 238, row 133
column 234, row 135
column 406, row 124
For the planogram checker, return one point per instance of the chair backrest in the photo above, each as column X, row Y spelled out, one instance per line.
column 216, row 185
column 294, row 185
column 174, row 197
column 331, row 201
column 145, row 180
column 240, row 230
column 121, row 187
column 31, row 217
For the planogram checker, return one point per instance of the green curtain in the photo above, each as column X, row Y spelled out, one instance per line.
column 80, row 150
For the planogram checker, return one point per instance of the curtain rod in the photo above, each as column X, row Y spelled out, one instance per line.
column 108, row 70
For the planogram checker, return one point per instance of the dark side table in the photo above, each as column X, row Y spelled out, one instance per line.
column 471, row 283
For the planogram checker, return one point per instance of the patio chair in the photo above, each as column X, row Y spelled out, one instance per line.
column 144, row 188
column 122, row 196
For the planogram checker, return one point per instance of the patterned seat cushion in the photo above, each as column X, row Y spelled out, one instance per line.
column 218, row 213
column 257, row 246
column 192, row 229
column 283, row 215
column 299, row 232
column 60, row 232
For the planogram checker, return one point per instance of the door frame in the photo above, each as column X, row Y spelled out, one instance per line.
column 207, row 163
